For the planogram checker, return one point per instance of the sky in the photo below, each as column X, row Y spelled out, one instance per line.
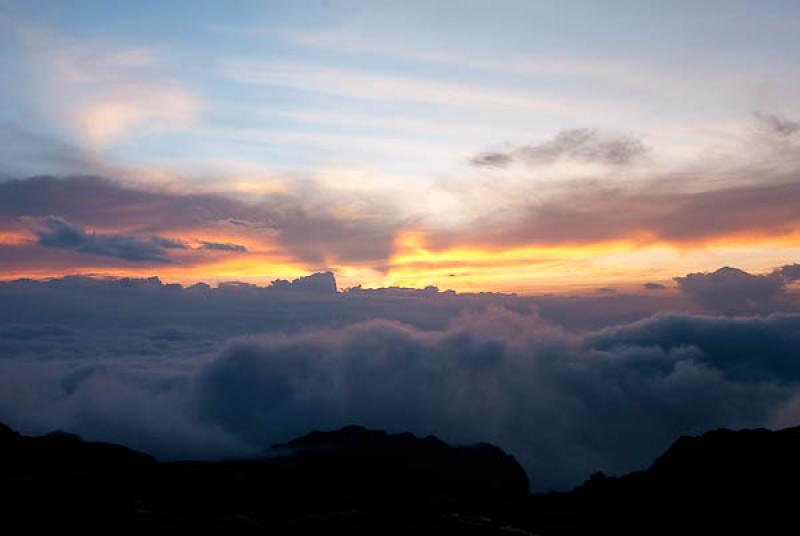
column 482, row 146
column 610, row 189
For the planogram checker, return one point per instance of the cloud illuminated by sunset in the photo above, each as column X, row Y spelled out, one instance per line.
column 268, row 144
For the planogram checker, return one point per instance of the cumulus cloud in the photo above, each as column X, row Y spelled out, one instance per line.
column 56, row 232
column 733, row 290
column 790, row 272
column 565, row 403
column 578, row 145
column 319, row 283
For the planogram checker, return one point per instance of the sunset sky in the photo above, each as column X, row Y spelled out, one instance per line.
column 610, row 188
column 480, row 146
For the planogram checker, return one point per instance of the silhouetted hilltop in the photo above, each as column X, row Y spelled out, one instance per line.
column 727, row 459
column 354, row 479
column 57, row 481
column 403, row 465
column 722, row 481
column 64, row 454
column 363, row 481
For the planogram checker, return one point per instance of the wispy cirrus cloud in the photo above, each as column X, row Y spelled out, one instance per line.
column 366, row 85
column 139, row 110
column 108, row 90
column 354, row 41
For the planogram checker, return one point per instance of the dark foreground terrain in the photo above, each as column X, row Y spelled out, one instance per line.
column 357, row 481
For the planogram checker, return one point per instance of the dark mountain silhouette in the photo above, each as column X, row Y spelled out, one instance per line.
column 352, row 479
column 402, row 465
column 721, row 482
column 360, row 481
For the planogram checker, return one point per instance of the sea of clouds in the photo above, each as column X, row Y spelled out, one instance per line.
column 209, row 373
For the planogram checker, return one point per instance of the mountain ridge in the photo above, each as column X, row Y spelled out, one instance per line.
column 361, row 481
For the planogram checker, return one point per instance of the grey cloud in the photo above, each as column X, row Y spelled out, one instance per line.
column 731, row 290
column 579, row 144
column 777, row 125
column 319, row 283
column 757, row 193
column 304, row 224
column 620, row 396
column 217, row 246
column 654, row 286
column 790, row 272
column 56, row 232
column 167, row 243
column 25, row 333
column 492, row 159
column 744, row 349
column 565, row 403
column 605, row 290
column 588, row 213
column 308, row 230
column 233, row 309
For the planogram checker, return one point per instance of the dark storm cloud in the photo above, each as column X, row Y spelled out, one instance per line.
column 578, row 145
column 217, row 246
column 56, row 232
column 304, row 225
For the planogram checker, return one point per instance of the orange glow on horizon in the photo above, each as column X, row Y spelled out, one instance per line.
column 530, row 269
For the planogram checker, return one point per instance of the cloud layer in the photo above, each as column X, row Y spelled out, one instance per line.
column 208, row 373
column 731, row 290
column 308, row 230
column 492, row 221
column 56, row 232
column 577, row 144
